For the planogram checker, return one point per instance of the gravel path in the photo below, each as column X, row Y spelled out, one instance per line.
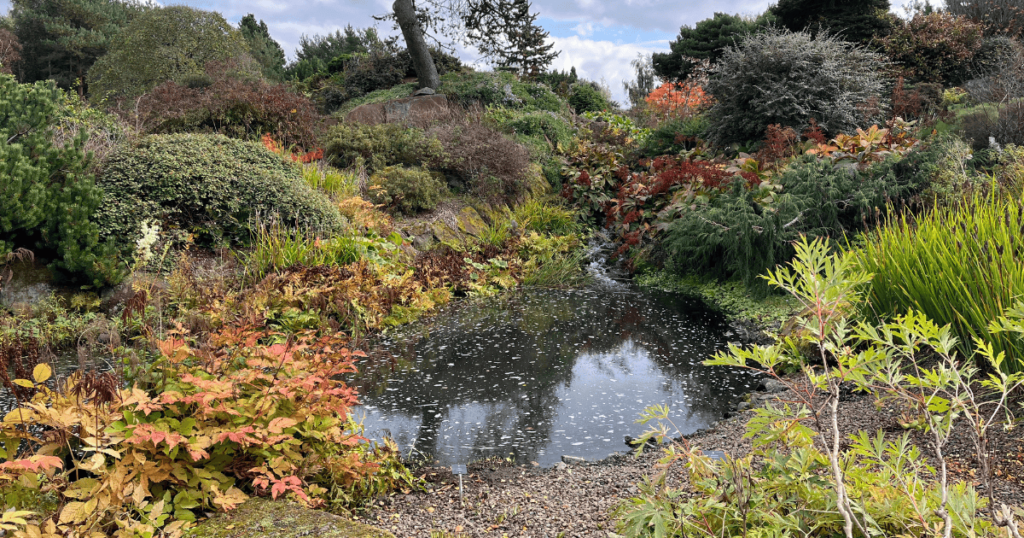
column 576, row 501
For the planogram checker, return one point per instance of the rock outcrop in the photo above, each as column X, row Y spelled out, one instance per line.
column 264, row 518
column 414, row 110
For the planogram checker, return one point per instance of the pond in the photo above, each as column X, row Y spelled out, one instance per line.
column 545, row 373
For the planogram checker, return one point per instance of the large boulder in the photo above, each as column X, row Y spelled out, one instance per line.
column 415, row 110
column 264, row 518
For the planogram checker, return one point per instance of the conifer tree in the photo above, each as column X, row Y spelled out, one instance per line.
column 61, row 39
column 706, row 40
column 267, row 52
column 505, row 32
column 47, row 196
column 857, row 21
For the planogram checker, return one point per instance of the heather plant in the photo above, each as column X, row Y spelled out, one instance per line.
column 485, row 162
column 791, row 78
column 799, row 477
column 228, row 105
column 210, row 185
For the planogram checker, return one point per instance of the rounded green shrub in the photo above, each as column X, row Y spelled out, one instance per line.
column 380, row 146
column 542, row 125
column 407, row 190
column 790, row 78
column 587, row 97
column 48, row 198
column 209, row 184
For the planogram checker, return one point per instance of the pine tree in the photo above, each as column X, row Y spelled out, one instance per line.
column 61, row 39
column 505, row 32
column 262, row 47
column 48, row 197
column 706, row 40
column 856, row 21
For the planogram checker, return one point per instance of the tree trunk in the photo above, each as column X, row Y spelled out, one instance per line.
column 426, row 73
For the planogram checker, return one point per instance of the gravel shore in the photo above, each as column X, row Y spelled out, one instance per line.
column 576, row 500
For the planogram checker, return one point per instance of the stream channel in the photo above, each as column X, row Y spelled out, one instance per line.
column 539, row 374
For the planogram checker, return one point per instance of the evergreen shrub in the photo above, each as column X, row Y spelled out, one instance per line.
column 407, row 190
column 379, row 146
column 500, row 89
column 587, row 97
column 48, row 198
column 790, row 78
column 739, row 233
column 209, row 184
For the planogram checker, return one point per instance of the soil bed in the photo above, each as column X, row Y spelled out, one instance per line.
column 576, row 500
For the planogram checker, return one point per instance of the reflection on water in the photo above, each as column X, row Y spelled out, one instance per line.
column 545, row 373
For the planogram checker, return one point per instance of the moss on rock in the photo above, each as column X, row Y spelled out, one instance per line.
column 264, row 518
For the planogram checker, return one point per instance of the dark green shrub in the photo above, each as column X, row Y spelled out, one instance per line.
column 587, row 97
column 1001, row 123
column 379, row 146
column 209, row 184
column 406, row 190
column 854, row 20
column 48, row 199
column 547, row 127
column 673, row 136
column 739, row 233
column 790, row 78
column 498, row 88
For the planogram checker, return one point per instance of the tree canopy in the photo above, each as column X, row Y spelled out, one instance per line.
column 855, row 20
column 704, row 41
column 267, row 52
column 168, row 43
column 505, row 32
column 61, row 39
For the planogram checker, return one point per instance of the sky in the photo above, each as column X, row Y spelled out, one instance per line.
column 598, row 37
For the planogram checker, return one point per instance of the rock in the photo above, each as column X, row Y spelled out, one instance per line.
column 442, row 232
column 423, row 242
column 559, row 466
column 470, row 222
column 424, row 91
column 371, row 114
column 418, row 110
column 573, row 460
column 742, row 406
column 263, row 518
column 774, row 386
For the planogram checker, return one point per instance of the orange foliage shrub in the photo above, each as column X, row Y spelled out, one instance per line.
column 678, row 99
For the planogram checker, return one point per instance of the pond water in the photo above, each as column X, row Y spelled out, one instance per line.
column 544, row 373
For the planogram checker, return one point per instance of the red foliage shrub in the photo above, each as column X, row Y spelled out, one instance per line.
column 779, row 145
column 814, row 133
column 937, row 47
column 229, row 106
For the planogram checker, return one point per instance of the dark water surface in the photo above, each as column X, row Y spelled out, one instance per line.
column 544, row 373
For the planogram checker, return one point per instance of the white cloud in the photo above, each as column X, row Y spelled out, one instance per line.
column 584, row 29
column 602, row 61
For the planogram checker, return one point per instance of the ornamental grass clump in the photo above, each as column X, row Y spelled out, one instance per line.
column 962, row 265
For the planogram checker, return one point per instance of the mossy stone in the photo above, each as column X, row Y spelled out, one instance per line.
column 264, row 518
column 470, row 222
